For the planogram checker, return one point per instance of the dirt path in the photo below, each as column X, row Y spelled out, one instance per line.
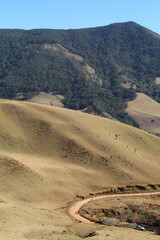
column 73, row 210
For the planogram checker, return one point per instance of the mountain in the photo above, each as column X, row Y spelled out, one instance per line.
column 48, row 155
column 96, row 69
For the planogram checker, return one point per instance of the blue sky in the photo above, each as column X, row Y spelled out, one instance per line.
column 67, row 14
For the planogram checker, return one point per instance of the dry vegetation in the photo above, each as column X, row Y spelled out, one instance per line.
column 49, row 155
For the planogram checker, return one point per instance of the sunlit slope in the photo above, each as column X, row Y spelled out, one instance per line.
column 48, row 155
column 105, row 152
column 146, row 112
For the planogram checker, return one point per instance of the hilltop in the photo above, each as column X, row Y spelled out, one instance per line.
column 50, row 155
column 96, row 69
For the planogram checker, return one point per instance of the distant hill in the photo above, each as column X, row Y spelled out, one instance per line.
column 97, row 69
column 146, row 113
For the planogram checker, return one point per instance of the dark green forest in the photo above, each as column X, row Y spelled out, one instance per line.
column 116, row 52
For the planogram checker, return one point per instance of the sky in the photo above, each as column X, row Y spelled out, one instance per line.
column 72, row 14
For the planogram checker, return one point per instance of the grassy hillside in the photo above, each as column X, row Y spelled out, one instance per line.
column 89, row 67
column 146, row 113
column 49, row 155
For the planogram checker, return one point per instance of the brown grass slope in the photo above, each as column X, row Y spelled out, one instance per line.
column 48, row 155
column 146, row 112
column 96, row 146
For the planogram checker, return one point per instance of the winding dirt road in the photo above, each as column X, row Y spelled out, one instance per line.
column 73, row 210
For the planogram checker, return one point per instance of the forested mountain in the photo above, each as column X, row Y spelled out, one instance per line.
column 99, row 69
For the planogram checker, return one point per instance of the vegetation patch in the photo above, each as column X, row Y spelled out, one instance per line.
column 130, row 215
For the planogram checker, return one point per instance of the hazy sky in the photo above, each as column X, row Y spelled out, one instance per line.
column 66, row 14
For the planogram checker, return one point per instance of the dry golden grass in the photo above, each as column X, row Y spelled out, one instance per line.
column 146, row 112
column 48, row 155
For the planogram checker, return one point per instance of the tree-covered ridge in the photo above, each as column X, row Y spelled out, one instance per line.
column 116, row 52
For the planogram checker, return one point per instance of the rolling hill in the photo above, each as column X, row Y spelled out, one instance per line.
column 90, row 67
column 49, row 155
column 146, row 113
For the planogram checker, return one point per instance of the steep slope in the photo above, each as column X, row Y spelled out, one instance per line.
column 88, row 66
column 49, row 155
column 146, row 113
